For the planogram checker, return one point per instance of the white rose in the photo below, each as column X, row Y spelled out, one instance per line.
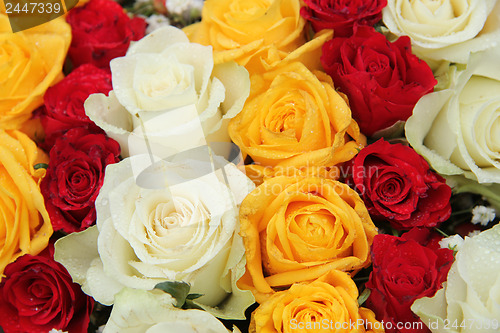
column 470, row 299
column 186, row 231
column 445, row 29
column 167, row 91
column 458, row 129
column 139, row 311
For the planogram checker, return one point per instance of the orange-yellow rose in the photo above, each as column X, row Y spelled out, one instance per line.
column 295, row 118
column 30, row 61
column 239, row 30
column 328, row 304
column 24, row 223
column 298, row 228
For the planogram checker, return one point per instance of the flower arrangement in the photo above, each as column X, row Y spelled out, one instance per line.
column 251, row 166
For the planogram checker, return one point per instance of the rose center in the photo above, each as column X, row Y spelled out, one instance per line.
column 246, row 10
column 178, row 213
column 169, row 79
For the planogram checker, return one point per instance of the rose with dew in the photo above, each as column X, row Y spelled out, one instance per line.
column 101, row 31
column 404, row 269
column 327, row 304
column 342, row 16
column 294, row 117
column 241, row 30
column 167, row 91
column 75, row 174
column 443, row 29
column 24, row 222
column 63, row 103
column 382, row 80
column 30, row 62
column 296, row 229
column 398, row 186
column 456, row 129
column 184, row 229
column 37, row 295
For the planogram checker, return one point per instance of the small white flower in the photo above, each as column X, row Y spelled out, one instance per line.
column 453, row 242
column 184, row 8
column 483, row 215
column 473, row 233
column 56, row 331
column 155, row 22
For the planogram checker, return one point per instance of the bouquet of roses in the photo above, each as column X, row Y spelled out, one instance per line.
column 251, row 166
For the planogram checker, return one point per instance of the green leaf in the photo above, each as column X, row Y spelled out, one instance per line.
column 191, row 305
column 364, row 296
column 178, row 289
column 40, row 166
column 193, row 296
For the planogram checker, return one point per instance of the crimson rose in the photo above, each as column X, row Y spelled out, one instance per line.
column 382, row 80
column 37, row 294
column 404, row 269
column 64, row 102
column 101, row 31
column 342, row 15
column 74, row 177
column 397, row 185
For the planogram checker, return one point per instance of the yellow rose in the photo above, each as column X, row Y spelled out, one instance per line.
column 30, row 62
column 328, row 304
column 24, row 223
column 240, row 29
column 298, row 228
column 295, row 118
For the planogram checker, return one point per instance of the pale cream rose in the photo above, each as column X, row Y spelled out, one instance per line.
column 457, row 129
column 445, row 29
column 185, row 230
column 168, row 92
column 140, row 311
column 470, row 299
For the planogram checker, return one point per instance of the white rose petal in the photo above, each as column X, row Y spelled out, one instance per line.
column 165, row 90
column 183, row 229
column 472, row 291
column 456, row 129
column 445, row 29
column 139, row 311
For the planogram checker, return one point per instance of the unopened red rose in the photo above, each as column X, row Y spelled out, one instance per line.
column 404, row 269
column 74, row 177
column 102, row 31
column 398, row 186
column 382, row 80
column 37, row 294
column 64, row 109
column 342, row 15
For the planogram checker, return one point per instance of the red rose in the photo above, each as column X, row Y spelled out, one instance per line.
column 342, row 15
column 404, row 269
column 74, row 177
column 101, row 31
column 37, row 295
column 382, row 80
column 397, row 185
column 64, row 102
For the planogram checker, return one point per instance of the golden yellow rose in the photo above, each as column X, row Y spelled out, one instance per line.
column 240, row 29
column 30, row 62
column 298, row 228
column 295, row 118
column 328, row 304
column 24, row 223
